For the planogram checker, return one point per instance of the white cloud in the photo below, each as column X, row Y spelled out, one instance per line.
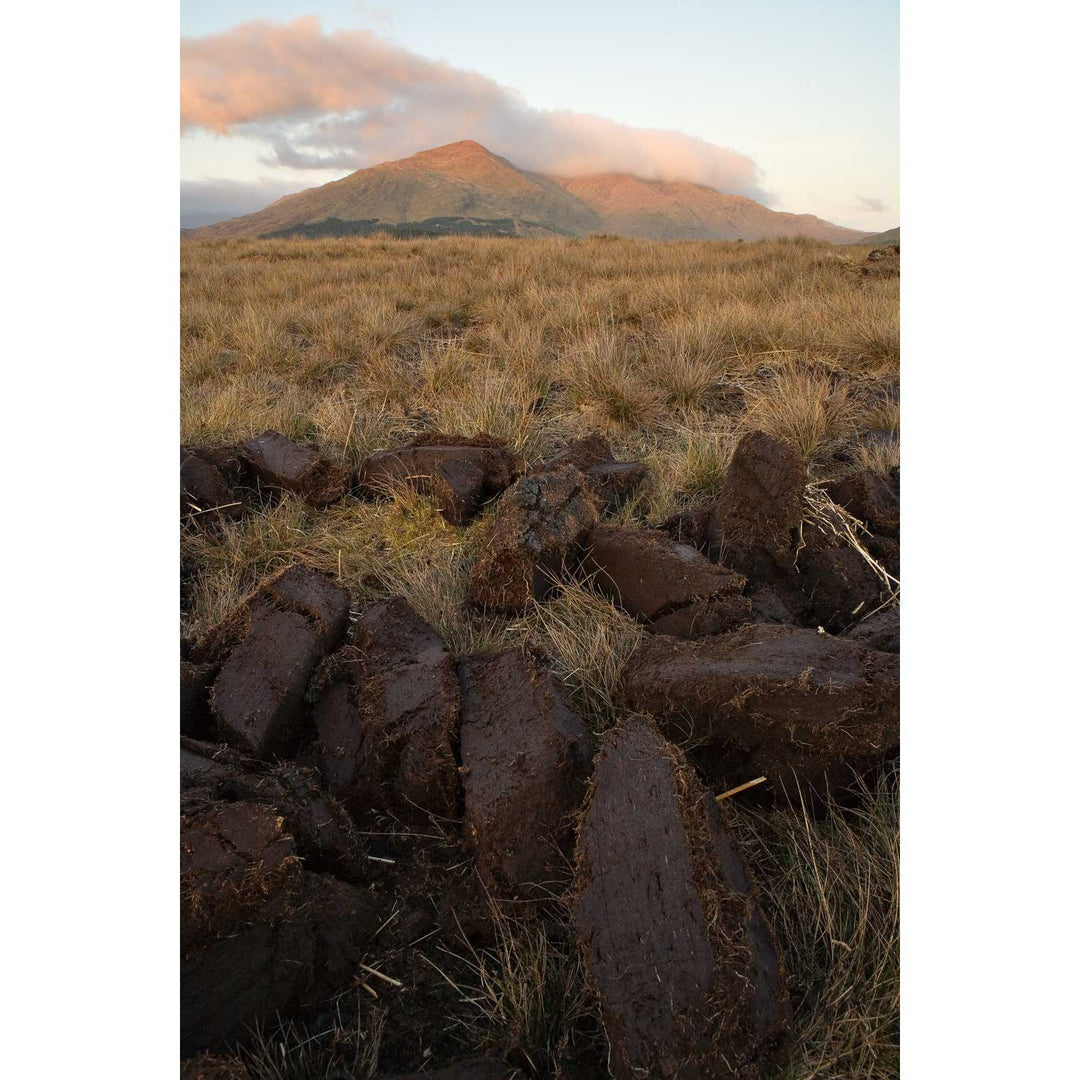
column 351, row 99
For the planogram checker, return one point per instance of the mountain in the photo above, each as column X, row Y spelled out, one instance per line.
column 463, row 187
column 879, row 239
column 679, row 210
column 462, row 180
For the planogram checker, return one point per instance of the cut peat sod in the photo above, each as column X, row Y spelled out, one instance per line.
column 670, row 587
column 386, row 715
column 459, row 474
column 798, row 706
column 525, row 757
column 685, row 967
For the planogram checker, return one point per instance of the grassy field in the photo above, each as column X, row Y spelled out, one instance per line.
column 672, row 351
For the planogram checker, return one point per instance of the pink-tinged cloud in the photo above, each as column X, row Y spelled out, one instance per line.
column 349, row 99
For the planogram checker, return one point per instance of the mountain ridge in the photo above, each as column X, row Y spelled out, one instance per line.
column 889, row 236
column 465, row 181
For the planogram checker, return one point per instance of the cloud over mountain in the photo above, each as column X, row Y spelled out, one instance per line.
column 350, row 99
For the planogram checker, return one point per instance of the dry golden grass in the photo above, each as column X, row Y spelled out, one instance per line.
column 631, row 335
column 604, row 371
column 883, row 414
column 877, row 456
column 805, row 406
column 589, row 641
column 831, row 887
column 349, row 1048
column 526, row 994
column 672, row 350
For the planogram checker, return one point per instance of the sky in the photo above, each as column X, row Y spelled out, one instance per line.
column 795, row 104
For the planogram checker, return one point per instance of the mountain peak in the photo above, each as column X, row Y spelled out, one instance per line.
column 465, row 148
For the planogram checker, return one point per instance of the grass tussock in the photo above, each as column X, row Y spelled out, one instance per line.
column 352, row 428
column 526, row 996
column 690, row 355
column 606, row 379
column 349, row 1048
column 686, row 464
column 401, row 545
column 877, row 451
column 433, row 576
column 589, row 641
column 831, row 888
column 495, row 402
column 878, row 456
column 805, row 406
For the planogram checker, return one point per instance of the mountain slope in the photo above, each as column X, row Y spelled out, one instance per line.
column 460, row 180
column 465, row 181
column 680, row 210
column 880, row 239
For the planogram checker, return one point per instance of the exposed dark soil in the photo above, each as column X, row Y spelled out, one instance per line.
column 872, row 498
column 244, row 681
column 322, row 602
column 284, row 896
column 612, row 484
column 834, row 580
column 257, row 699
column 204, row 490
column 212, row 1067
column 259, row 934
column 882, row 262
column 690, row 526
column 324, row 834
column 477, row 1069
column 196, row 681
column 610, row 481
column 880, row 631
column 583, row 454
column 799, row 571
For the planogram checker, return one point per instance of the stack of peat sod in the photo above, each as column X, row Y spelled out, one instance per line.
column 368, row 818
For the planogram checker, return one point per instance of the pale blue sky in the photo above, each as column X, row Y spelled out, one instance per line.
column 808, row 90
